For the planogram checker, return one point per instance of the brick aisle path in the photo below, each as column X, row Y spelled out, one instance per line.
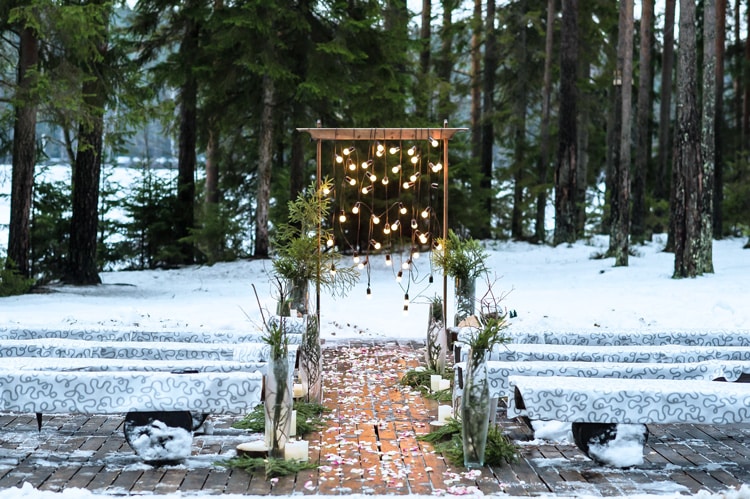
column 368, row 447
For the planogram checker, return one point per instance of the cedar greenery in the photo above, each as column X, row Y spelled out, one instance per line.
column 271, row 467
column 460, row 258
column 447, row 441
column 309, row 418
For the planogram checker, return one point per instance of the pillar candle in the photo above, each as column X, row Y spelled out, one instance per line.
column 435, row 382
column 445, row 384
column 444, row 412
column 296, row 449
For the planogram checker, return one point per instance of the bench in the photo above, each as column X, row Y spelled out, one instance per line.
column 598, row 407
column 165, row 387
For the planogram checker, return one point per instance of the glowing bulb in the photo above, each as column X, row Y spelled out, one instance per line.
column 375, row 219
column 399, row 276
column 348, row 150
column 415, row 254
column 366, row 164
column 414, row 224
column 379, row 149
column 434, row 142
column 395, row 224
column 372, row 177
column 414, row 176
column 366, row 189
column 396, row 169
column 426, row 212
column 356, row 257
column 333, row 269
column 388, row 261
column 352, row 166
column 406, row 299
column 405, row 265
column 361, row 265
column 326, row 191
column 342, row 216
column 436, row 167
column 394, row 149
column 329, row 243
column 414, row 160
column 375, row 244
column 355, row 208
column 438, row 246
column 339, row 158
column 351, row 181
column 423, row 238
column 384, row 180
column 387, row 229
column 406, row 185
column 402, row 208
column 412, row 150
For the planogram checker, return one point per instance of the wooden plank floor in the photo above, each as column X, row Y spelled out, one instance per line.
column 370, row 446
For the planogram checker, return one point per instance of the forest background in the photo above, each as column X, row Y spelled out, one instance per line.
column 576, row 112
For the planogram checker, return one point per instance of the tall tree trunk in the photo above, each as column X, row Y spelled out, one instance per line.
column 543, row 164
column 687, row 161
column 24, row 155
column 82, row 268
column 620, row 230
column 739, row 76
column 299, row 114
column 643, row 131
column 476, row 81
column 444, row 67
column 488, row 109
column 519, row 127
column 186, row 159
column 704, row 254
column 565, row 170
column 583, row 144
column 212, row 166
column 718, row 219
column 422, row 91
column 264, row 168
column 746, row 88
column 661, row 180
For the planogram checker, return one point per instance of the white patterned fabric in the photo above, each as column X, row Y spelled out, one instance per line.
column 627, row 353
column 606, row 400
column 498, row 372
column 601, row 337
column 106, row 365
column 54, row 392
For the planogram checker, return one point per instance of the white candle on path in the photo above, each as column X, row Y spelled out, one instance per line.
column 293, row 431
column 298, row 390
column 435, row 382
column 445, row 384
column 444, row 412
column 296, row 449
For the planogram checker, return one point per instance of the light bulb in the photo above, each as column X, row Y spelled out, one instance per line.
column 356, row 257
column 366, row 164
column 415, row 159
column 372, row 177
column 399, row 276
column 329, row 243
column 423, row 238
column 388, row 261
column 352, row 166
column 366, row 189
column 405, row 265
column 394, row 149
column 436, row 167
column 426, row 212
column 415, row 254
column 375, row 219
column 375, row 244
column 438, row 246
column 395, row 224
column 414, row 224
column 387, row 228
column 342, row 216
column 412, row 150
column 348, row 150
column 402, row 208
column 361, row 265
column 379, row 148
column 369, row 292
column 351, row 181
column 355, row 208
column 406, row 310
column 406, row 185
column 414, row 176
column 406, row 299
column 339, row 158
column 396, row 168
column 384, row 180
column 326, row 191
column 430, row 280
column 333, row 269
column 434, row 142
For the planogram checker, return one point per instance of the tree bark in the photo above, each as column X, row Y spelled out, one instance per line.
column 422, row 90
column 718, row 218
column 643, row 131
column 476, row 81
column 212, row 166
column 661, row 180
column 621, row 196
column 264, row 168
column 565, row 170
column 704, row 254
column 543, row 164
column 488, row 109
column 444, row 67
column 186, row 158
column 519, row 128
column 24, row 155
column 687, row 162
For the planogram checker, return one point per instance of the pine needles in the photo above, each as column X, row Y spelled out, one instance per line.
column 309, row 419
column 447, row 441
column 271, row 467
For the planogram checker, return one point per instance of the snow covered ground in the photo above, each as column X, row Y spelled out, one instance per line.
column 550, row 289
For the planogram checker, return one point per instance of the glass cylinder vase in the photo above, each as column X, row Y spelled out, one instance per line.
column 466, row 291
column 475, row 409
column 435, row 352
column 278, row 406
column 311, row 362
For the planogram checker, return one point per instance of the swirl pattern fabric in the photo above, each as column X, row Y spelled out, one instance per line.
column 109, row 365
column 92, row 393
column 630, row 401
column 498, row 372
column 594, row 337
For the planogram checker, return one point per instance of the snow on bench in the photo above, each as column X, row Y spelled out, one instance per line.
column 609, row 415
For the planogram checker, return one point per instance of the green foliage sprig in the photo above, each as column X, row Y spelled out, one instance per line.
column 309, row 418
column 460, row 258
column 271, row 467
column 447, row 441
column 11, row 282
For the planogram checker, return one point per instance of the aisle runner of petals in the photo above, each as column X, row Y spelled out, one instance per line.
column 370, row 445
